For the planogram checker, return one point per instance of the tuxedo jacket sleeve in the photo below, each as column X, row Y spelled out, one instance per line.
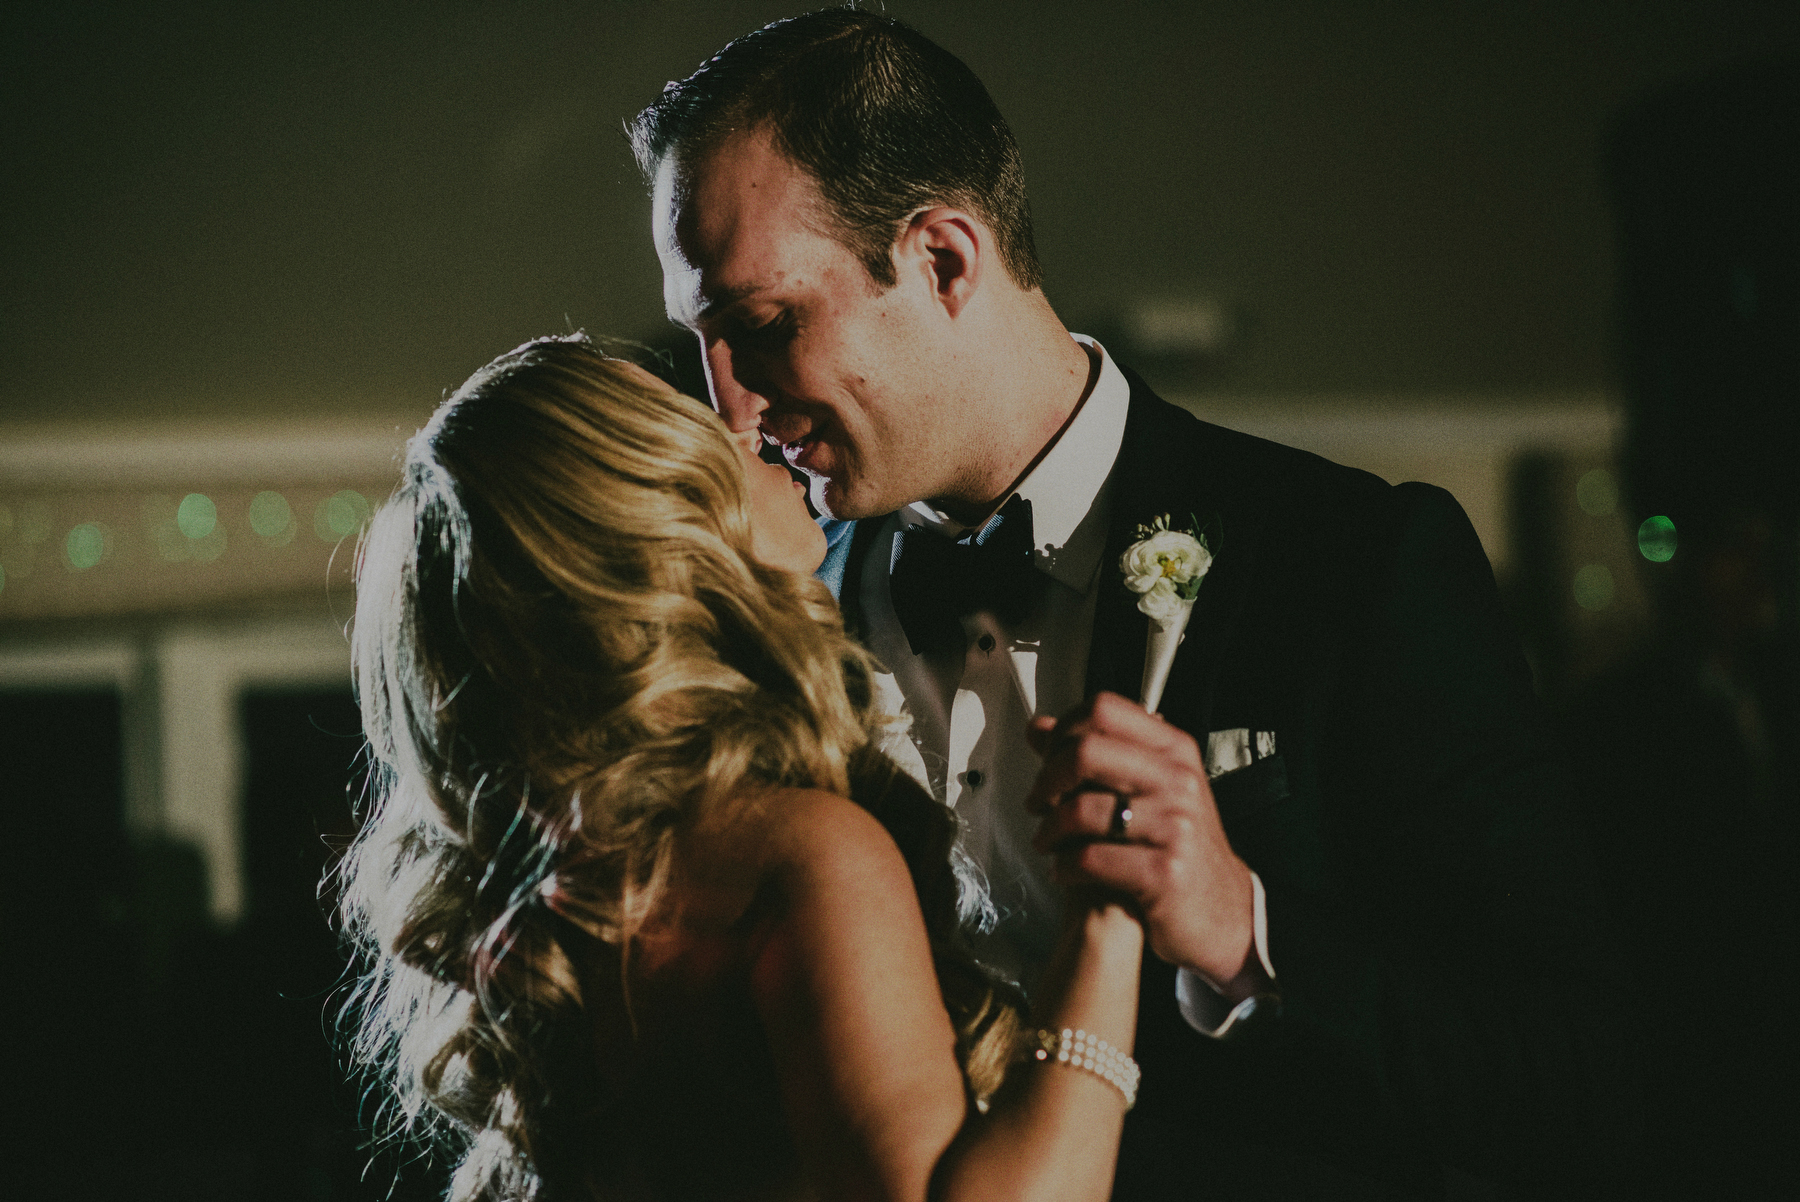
column 1448, row 990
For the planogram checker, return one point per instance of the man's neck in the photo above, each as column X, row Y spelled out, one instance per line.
column 1037, row 386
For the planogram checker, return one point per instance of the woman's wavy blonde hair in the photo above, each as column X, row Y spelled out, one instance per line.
column 564, row 651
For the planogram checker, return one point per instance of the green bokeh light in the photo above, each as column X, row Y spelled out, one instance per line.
column 196, row 515
column 270, row 515
column 340, row 515
column 86, row 546
column 1594, row 587
column 1597, row 493
column 1656, row 539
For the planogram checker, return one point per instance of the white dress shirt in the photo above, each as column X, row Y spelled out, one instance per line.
column 969, row 710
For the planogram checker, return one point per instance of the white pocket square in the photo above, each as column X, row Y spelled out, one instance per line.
column 1229, row 750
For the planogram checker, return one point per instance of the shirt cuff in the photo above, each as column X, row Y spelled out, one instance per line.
column 1202, row 1005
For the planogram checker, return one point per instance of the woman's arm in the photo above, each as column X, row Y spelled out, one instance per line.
column 866, row 1055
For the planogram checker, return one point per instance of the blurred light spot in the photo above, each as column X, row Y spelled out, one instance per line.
column 1597, row 493
column 271, row 517
column 1594, row 587
column 1197, row 327
column 190, row 531
column 85, row 546
column 339, row 515
column 196, row 515
column 1656, row 539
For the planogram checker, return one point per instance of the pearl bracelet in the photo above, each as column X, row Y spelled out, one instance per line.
column 1075, row 1048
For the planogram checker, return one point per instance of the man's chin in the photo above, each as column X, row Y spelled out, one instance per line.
column 836, row 499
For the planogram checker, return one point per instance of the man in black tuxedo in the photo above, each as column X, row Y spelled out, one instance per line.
column 1376, row 950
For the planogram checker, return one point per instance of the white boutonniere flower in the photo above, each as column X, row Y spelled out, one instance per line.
column 1165, row 567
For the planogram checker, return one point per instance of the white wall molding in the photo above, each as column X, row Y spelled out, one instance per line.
column 114, row 455
column 201, row 673
column 86, row 664
column 1466, row 444
column 1423, row 423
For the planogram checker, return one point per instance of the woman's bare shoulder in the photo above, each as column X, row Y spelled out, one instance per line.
column 803, row 850
column 811, row 830
column 801, row 818
column 841, row 888
column 800, row 839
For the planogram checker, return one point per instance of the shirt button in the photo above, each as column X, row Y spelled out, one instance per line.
column 985, row 642
column 973, row 775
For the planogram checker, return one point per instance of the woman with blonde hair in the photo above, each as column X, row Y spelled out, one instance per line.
column 645, row 912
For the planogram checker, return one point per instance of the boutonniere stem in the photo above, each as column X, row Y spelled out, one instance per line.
column 1159, row 654
column 1165, row 568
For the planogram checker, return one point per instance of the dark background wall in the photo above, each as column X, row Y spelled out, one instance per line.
column 220, row 208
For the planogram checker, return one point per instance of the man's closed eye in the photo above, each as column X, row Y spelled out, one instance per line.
column 770, row 335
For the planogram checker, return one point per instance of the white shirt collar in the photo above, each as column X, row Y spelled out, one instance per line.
column 1067, row 521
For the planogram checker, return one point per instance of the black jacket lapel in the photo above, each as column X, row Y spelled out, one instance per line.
column 1167, row 464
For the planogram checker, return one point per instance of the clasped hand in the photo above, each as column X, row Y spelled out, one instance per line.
column 1190, row 889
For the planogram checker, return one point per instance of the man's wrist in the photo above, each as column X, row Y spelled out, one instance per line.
column 1250, row 981
column 1250, row 997
column 1255, row 972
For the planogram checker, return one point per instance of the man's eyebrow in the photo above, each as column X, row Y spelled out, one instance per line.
column 725, row 298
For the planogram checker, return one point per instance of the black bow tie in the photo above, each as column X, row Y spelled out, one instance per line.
column 933, row 582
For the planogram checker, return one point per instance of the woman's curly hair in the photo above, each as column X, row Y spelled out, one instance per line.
column 564, row 652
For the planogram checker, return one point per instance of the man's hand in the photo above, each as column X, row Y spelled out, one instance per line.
column 1192, row 891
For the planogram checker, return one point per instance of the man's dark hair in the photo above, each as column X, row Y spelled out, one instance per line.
column 885, row 120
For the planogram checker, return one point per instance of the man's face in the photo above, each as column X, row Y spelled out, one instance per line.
column 798, row 340
column 782, row 533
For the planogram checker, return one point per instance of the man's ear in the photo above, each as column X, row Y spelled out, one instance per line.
column 950, row 247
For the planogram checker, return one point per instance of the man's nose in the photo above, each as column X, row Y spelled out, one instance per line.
column 741, row 406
